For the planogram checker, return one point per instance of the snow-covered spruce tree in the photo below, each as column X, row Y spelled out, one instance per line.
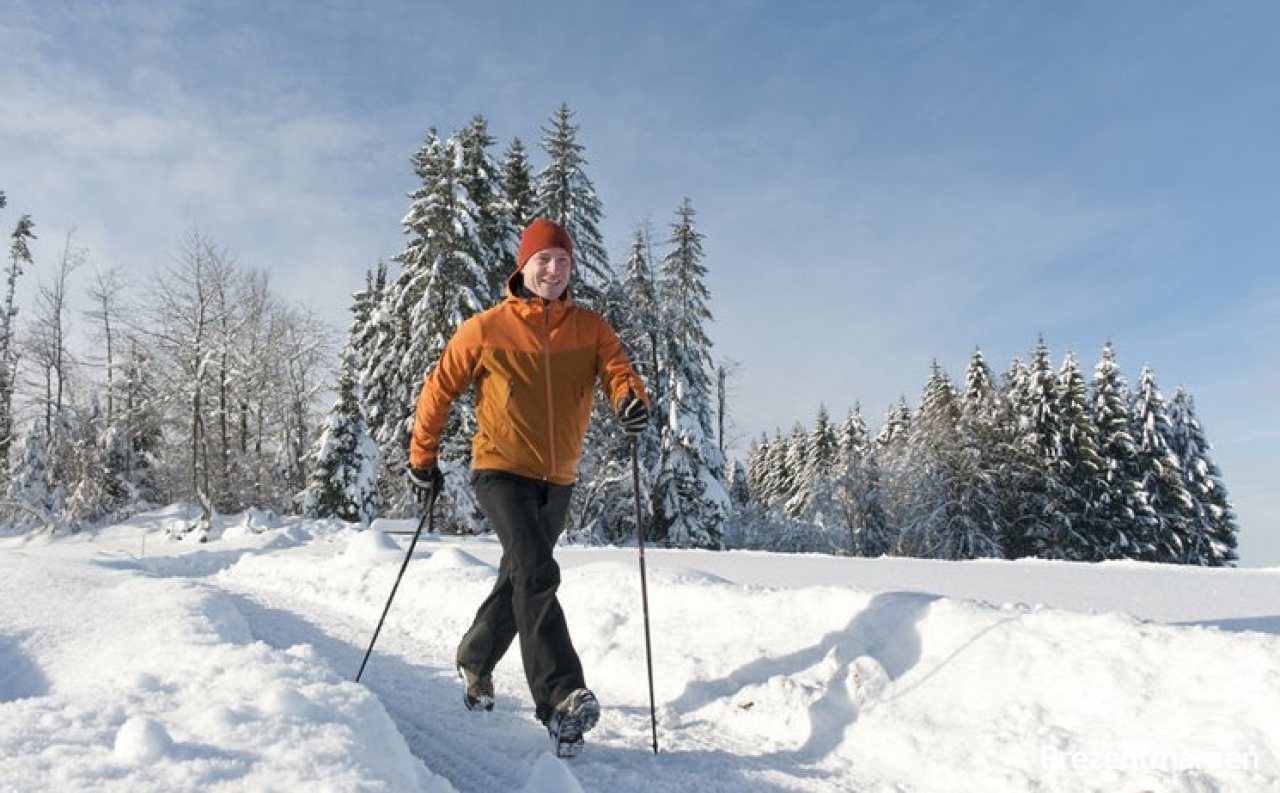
column 344, row 476
column 793, row 465
column 565, row 195
column 943, row 482
column 797, row 463
column 691, row 502
column 1078, row 467
column 1214, row 531
column 757, row 469
column 604, row 501
column 133, row 438
column 986, row 452
column 779, row 479
column 517, row 185
column 812, row 502
column 889, row 450
column 19, row 255
column 1124, row 521
column 98, row 490
column 855, row 493
column 345, row 461
column 497, row 227
column 1160, row 472
column 443, row 283
column 1019, row 484
column 1033, row 399
column 382, row 383
column 29, row 502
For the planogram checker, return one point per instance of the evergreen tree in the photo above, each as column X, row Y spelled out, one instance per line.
column 1124, row 520
column 855, row 490
column 1078, row 469
column 517, row 186
column 797, row 465
column 28, row 491
column 344, row 478
column 692, row 501
column 1033, row 399
column 889, row 451
column 19, row 255
column 137, row 433
column 97, row 489
column 566, row 196
column 1161, row 473
column 776, row 486
column 757, row 456
column 986, row 459
column 442, row 284
column 791, row 465
column 938, row 521
column 1213, row 530
column 497, row 232
column 641, row 328
column 812, row 500
column 345, row 460
column 381, row 381
column 604, row 499
column 893, row 432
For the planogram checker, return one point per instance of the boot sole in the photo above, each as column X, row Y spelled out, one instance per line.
column 582, row 715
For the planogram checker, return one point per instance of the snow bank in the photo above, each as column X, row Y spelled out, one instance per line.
column 118, row 680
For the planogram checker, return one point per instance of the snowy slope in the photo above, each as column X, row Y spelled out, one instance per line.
column 128, row 662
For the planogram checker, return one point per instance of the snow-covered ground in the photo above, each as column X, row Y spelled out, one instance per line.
column 134, row 663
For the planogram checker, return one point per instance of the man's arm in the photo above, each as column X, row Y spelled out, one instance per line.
column 441, row 388
column 614, row 369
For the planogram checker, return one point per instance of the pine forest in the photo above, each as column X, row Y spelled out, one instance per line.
column 202, row 385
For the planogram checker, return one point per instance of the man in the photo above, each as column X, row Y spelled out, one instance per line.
column 535, row 359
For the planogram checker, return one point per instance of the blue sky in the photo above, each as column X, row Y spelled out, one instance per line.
column 880, row 184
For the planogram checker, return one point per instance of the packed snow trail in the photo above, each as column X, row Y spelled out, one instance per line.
column 486, row 752
column 229, row 665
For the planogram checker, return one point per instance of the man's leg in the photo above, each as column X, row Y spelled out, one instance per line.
column 492, row 630
column 528, row 516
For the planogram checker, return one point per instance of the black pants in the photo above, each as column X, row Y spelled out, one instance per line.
column 528, row 516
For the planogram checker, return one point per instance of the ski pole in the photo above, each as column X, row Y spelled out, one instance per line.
column 426, row 519
column 644, row 588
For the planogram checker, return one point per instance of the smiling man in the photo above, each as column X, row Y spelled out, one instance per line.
column 535, row 360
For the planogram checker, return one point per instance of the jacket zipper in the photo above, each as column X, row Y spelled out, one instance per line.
column 546, row 368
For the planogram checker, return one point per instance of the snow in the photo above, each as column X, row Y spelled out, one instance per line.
column 133, row 662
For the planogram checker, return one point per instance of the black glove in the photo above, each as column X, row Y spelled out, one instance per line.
column 426, row 482
column 633, row 415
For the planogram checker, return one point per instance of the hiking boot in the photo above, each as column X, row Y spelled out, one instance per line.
column 479, row 691
column 577, row 714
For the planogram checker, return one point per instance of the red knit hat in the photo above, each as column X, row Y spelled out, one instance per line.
column 542, row 234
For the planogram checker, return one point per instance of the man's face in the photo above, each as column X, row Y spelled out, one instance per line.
column 546, row 274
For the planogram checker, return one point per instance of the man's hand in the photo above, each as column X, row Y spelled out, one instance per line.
column 426, row 482
column 633, row 415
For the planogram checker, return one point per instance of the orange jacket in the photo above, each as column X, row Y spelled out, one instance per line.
column 535, row 367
